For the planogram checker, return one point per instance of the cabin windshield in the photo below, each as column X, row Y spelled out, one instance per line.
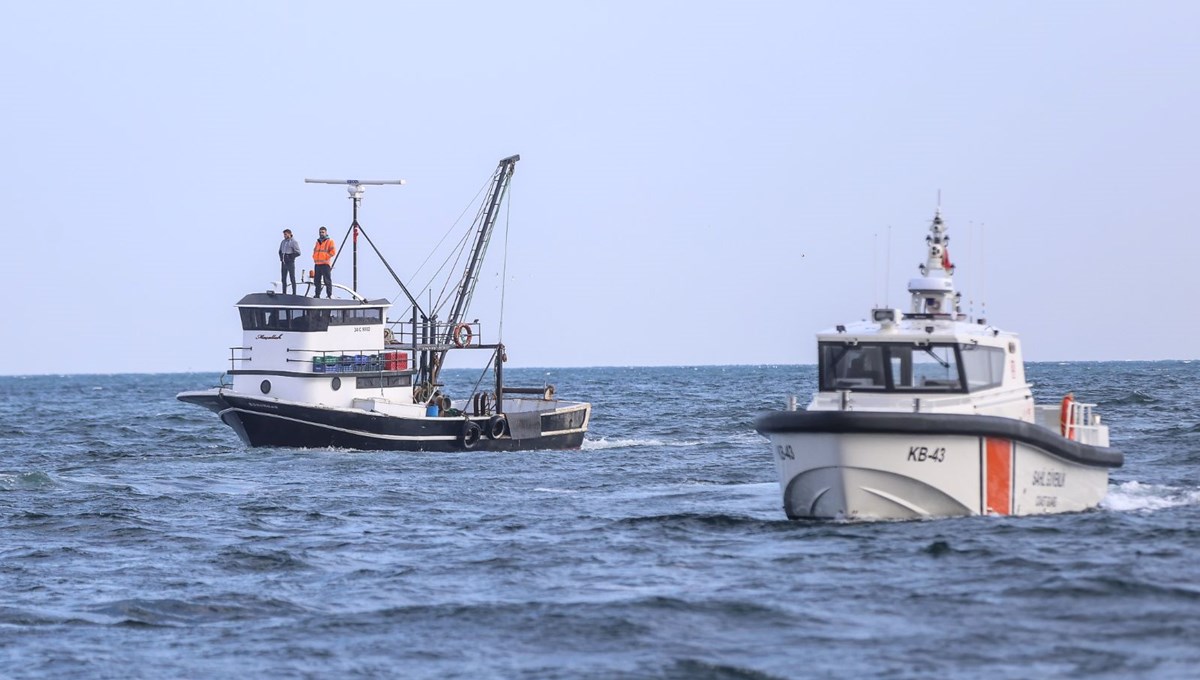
column 899, row 367
column 984, row 366
column 309, row 320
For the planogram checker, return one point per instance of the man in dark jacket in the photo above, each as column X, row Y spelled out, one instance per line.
column 289, row 250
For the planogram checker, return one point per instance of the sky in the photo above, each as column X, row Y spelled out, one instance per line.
column 700, row 182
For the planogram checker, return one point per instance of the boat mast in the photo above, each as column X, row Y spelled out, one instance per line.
column 484, row 225
column 355, row 187
column 933, row 293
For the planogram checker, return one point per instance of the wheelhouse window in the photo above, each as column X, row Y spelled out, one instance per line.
column 304, row 319
column 852, row 367
column 254, row 319
column 357, row 316
column 268, row 319
column 890, row 367
column 365, row 382
column 984, row 366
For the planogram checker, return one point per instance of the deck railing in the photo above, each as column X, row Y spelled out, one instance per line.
column 338, row 361
column 1083, row 425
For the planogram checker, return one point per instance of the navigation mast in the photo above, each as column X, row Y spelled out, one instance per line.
column 355, row 187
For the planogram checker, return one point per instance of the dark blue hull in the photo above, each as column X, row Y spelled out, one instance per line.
column 270, row 423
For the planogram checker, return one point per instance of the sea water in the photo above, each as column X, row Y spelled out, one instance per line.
column 141, row 539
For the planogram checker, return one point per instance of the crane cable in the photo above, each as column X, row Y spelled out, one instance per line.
column 451, row 253
column 504, row 269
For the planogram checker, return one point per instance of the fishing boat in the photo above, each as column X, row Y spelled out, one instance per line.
column 927, row 413
column 337, row 372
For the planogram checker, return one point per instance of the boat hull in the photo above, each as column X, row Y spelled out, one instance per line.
column 264, row 422
column 864, row 465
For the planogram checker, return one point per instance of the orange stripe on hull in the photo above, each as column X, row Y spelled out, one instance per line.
column 999, row 476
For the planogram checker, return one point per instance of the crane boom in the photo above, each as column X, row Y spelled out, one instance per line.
column 483, row 234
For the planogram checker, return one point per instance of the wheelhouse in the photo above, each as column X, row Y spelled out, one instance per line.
column 921, row 367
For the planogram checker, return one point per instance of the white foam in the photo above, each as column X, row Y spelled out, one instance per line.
column 605, row 443
column 1135, row 497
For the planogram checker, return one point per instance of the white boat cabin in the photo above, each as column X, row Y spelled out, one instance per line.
column 923, row 365
column 321, row 351
column 933, row 359
column 921, row 356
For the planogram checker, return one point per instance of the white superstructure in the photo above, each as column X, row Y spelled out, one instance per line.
column 928, row 413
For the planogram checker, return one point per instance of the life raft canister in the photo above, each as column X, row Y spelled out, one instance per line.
column 1066, row 418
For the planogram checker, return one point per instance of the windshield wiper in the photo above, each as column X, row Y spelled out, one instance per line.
column 929, row 351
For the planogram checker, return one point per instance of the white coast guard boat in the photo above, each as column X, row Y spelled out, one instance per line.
column 319, row 373
column 927, row 414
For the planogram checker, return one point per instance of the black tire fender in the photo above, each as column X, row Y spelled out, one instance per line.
column 471, row 432
column 497, row 426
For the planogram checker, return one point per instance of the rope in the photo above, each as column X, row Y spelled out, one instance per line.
column 338, row 254
column 504, row 266
column 444, row 294
column 467, row 238
column 475, row 389
column 438, row 246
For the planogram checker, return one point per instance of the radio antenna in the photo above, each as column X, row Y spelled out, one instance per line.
column 887, row 271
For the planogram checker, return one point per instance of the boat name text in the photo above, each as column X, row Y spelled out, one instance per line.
column 1046, row 502
column 1049, row 478
column 924, row 454
column 785, row 452
column 362, row 329
column 277, row 336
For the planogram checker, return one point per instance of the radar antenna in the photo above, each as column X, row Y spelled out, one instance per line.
column 355, row 187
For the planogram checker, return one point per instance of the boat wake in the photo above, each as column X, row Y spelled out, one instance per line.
column 1139, row 497
column 605, row 443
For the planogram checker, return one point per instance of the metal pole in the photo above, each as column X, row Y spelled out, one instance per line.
column 500, row 378
column 354, row 247
column 356, row 188
column 424, row 374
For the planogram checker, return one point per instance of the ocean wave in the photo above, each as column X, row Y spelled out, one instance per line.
column 172, row 612
column 26, row 481
column 661, row 551
column 1076, row 586
column 258, row 561
column 699, row 668
column 1134, row 397
column 695, row 520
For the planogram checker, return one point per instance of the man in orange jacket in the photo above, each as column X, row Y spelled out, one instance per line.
column 323, row 254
